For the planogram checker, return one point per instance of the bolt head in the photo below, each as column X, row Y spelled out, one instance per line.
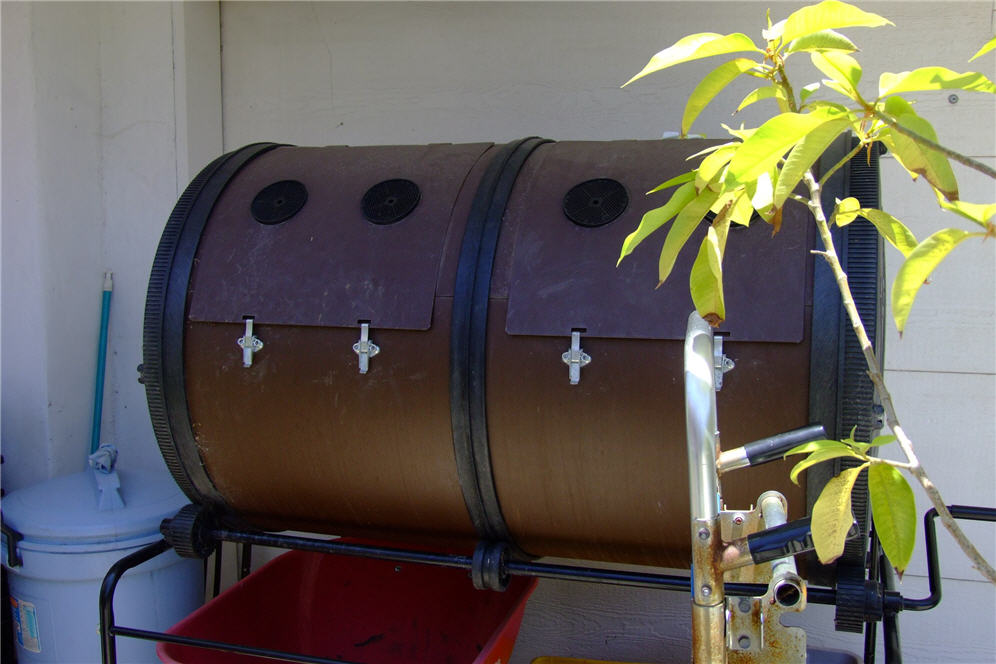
column 952, row 99
column 744, row 605
column 744, row 642
column 703, row 534
column 738, row 519
column 706, row 590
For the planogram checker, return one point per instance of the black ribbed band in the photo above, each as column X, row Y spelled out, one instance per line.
column 468, row 339
column 165, row 315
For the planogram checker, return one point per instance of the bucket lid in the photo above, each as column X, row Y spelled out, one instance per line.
column 64, row 510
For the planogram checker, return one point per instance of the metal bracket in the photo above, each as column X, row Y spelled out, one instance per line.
column 721, row 363
column 575, row 358
column 249, row 344
column 365, row 348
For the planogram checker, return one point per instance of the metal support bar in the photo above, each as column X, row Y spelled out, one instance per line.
column 108, row 646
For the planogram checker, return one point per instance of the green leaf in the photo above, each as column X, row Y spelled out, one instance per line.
column 804, row 155
column 677, row 179
column 832, row 516
column 842, row 69
column 893, row 230
column 917, row 268
column 824, row 40
column 876, row 442
column 828, row 15
column 759, row 94
column 706, row 279
column 989, row 45
column 741, row 211
column 894, row 511
column 815, row 446
column 694, row 47
column 819, row 456
column 977, row 212
column 741, row 133
column 713, row 164
column 845, row 211
column 916, row 157
column 710, row 86
column 762, row 150
column 684, row 224
column 656, row 218
column 807, row 91
column 932, row 78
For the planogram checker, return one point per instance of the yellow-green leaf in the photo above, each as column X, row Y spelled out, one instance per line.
column 917, row 268
column 808, row 90
column 706, row 279
column 988, row 46
column 893, row 230
column 878, row 441
column 713, row 164
column 819, row 456
column 656, row 218
column 710, row 86
column 933, row 78
column 977, row 212
column 894, row 511
column 759, row 94
column 842, row 69
column 824, row 40
column 677, row 179
column 804, row 155
column 741, row 211
column 684, row 224
column 694, row 47
column 828, row 15
column 814, row 446
column 845, row 211
column 762, row 150
column 832, row 516
column 916, row 157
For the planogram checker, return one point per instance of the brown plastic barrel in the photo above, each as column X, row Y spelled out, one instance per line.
column 302, row 440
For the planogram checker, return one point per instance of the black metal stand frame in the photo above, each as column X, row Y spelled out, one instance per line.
column 884, row 603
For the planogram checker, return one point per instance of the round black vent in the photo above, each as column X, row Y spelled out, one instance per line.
column 596, row 202
column 390, row 201
column 279, row 202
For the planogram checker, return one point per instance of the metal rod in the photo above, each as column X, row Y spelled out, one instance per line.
column 651, row 580
column 108, row 647
column 98, row 389
column 245, row 561
column 264, row 653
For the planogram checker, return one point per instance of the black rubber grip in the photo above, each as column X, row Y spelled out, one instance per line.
column 774, row 447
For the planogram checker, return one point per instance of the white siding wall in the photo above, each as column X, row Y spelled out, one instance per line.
column 108, row 110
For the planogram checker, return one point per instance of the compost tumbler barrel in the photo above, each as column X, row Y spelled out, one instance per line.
column 469, row 267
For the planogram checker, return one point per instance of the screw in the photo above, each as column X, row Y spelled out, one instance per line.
column 952, row 99
column 744, row 605
column 706, row 590
column 738, row 519
column 744, row 642
column 397, row 569
column 704, row 534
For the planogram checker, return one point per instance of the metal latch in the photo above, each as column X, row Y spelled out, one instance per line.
column 365, row 348
column 249, row 343
column 721, row 363
column 575, row 358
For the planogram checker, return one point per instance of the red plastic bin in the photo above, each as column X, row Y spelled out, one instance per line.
column 358, row 610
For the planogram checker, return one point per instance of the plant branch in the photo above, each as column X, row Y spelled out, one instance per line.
column 891, row 418
column 948, row 152
column 839, row 164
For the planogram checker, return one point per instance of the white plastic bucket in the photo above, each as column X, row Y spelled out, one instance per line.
column 68, row 547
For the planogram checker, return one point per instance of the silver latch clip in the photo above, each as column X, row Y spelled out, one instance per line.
column 365, row 348
column 721, row 363
column 249, row 343
column 575, row 358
